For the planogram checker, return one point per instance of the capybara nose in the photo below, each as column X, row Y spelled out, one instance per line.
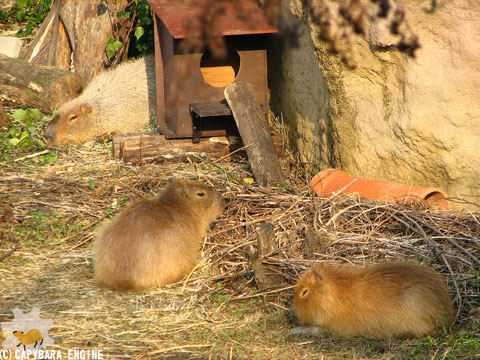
column 49, row 135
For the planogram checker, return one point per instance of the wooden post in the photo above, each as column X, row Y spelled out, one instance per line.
column 255, row 134
column 266, row 245
column 315, row 242
column 265, row 239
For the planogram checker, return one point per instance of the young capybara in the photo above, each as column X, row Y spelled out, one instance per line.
column 120, row 100
column 381, row 300
column 154, row 242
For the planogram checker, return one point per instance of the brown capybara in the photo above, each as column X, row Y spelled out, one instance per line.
column 155, row 242
column 381, row 300
column 120, row 100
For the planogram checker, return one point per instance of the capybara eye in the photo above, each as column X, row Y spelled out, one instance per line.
column 200, row 193
column 73, row 117
column 304, row 292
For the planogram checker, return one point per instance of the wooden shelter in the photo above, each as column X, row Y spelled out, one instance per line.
column 190, row 85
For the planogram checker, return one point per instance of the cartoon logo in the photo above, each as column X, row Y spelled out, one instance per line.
column 27, row 331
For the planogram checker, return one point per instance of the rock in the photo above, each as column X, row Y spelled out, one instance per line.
column 393, row 118
column 10, row 46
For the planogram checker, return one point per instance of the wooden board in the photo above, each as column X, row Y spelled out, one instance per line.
column 132, row 147
column 255, row 134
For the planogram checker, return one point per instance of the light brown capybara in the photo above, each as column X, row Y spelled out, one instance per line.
column 155, row 242
column 381, row 300
column 120, row 100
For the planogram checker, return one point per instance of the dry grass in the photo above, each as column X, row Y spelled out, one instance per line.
column 216, row 312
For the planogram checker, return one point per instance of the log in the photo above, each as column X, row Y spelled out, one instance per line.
column 40, row 86
column 74, row 35
column 132, row 147
column 255, row 133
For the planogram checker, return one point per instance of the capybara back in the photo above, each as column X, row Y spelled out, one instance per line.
column 387, row 299
column 154, row 242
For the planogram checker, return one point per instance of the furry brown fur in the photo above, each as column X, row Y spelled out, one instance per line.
column 380, row 301
column 120, row 100
column 154, row 242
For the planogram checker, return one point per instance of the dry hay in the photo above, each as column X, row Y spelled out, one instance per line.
column 57, row 275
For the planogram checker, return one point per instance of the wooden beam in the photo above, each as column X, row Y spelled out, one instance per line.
column 255, row 133
column 131, row 147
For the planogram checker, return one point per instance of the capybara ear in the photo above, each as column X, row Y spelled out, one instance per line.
column 85, row 109
column 183, row 191
column 317, row 275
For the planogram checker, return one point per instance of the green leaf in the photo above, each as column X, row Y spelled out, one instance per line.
column 91, row 184
column 20, row 16
column 110, row 50
column 13, row 142
column 139, row 31
column 14, row 132
column 29, row 28
column 50, row 157
column 48, row 118
column 117, row 44
column 121, row 14
column 20, row 115
column 35, row 114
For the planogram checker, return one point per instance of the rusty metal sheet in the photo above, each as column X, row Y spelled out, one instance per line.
column 175, row 14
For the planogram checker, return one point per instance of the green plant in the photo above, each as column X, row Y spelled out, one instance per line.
column 140, row 14
column 112, row 46
column 29, row 13
column 24, row 135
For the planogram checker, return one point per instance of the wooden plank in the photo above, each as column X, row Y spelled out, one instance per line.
column 131, row 147
column 210, row 109
column 255, row 134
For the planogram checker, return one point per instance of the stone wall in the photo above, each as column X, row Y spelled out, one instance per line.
column 392, row 118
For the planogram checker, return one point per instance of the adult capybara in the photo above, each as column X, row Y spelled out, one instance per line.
column 120, row 100
column 154, row 242
column 382, row 300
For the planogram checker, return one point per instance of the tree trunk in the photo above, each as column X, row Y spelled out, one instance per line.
column 75, row 33
column 40, row 86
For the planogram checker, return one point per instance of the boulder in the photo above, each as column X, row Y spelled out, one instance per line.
column 392, row 117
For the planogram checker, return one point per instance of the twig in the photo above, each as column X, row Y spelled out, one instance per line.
column 451, row 241
column 435, row 247
column 32, row 155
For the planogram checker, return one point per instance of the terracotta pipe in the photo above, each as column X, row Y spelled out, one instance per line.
column 330, row 181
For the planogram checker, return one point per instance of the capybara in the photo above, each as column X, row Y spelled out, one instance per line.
column 154, row 242
column 381, row 300
column 31, row 337
column 120, row 100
